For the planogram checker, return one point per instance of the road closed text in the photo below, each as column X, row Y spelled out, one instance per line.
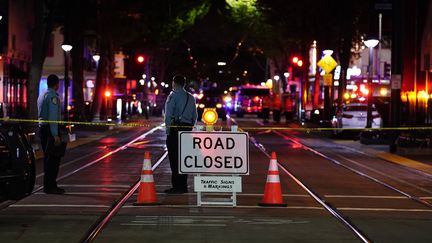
column 213, row 152
column 213, row 161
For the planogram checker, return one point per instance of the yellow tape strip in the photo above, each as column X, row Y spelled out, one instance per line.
column 306, row 129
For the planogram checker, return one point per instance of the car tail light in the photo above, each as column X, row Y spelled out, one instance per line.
column 347, row 116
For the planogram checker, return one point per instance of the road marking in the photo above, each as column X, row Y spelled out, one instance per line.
column 365, row 196
column 87, row 193
column 387, row 209
column 98, row 186
column 155, row 224
column 209, row 220
column 75, row 160
column 189, row 216
column 238, row 206
column 123, row 147
column 104, row 185
column 220, row 206
column 219, row 194
column 57, row 206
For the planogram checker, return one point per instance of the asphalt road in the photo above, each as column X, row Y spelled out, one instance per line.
column 386, row 202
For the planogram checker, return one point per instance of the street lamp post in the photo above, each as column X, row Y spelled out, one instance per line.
column 371, row 43
column 66, row 48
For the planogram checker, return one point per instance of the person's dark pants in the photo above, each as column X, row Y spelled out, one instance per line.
column 288, row 116
column 276, row 115
column 51, row 163
column 265, row 114
column 178, row 181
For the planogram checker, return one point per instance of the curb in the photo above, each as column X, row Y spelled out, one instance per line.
column 394, row 158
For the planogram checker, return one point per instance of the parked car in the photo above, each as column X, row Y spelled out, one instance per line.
column 17, row 163
column 354, row 115
column 211, row 99
column 248, row 99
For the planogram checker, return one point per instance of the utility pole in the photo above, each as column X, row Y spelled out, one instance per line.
column 378, row 70
column 396, row 68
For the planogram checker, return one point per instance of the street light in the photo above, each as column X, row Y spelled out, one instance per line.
column 371, row 43
column 96, row 58
column 66, row 48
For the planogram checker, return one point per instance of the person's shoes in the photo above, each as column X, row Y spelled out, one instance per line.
column 56, row 190
column 175, row 191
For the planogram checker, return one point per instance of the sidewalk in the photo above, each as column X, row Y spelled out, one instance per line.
column 416, row 158
column 88, row 134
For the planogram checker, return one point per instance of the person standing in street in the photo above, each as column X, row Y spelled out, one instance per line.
column 265, row 111
column 277, row 107
column 180, row 115
column 288, row 109
column 49, row 109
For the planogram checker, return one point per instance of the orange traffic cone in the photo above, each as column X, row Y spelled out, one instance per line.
column 273, row 191
column 146, row 191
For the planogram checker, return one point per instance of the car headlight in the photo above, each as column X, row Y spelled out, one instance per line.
column 218, row 106
column 201, row 106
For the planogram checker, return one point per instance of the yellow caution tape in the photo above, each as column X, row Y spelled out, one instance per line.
column 301, row 129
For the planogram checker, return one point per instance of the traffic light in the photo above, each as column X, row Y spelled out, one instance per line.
column 107, row 93
column 140, row 59
column 387, row 69
column 300, row 63
column 297, row 61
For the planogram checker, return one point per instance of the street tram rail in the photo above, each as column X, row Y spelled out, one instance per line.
column 87, row 165
column 360, row 173
column 332, row 210
column 97, row 227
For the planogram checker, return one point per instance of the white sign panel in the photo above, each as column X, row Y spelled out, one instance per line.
column 217, row 184
column 214, row 153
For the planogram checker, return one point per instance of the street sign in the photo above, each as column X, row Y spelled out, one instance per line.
column 213, row 153
column 328, row 79
column 396, row 81
column 383, row 6
column 217, row 184
column 327, row 63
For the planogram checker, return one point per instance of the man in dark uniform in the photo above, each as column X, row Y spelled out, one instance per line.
column 49, row 110
column 180, row 107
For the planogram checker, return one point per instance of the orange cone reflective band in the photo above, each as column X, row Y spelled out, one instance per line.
column 146, row 191
column 273, row 192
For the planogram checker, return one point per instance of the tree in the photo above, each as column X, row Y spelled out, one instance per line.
column 44, row 12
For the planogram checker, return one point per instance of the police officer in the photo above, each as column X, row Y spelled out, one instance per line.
column 49, row 109
column 180, row 115
column 265, row 111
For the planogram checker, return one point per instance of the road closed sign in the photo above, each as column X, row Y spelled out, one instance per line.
column 214, row 153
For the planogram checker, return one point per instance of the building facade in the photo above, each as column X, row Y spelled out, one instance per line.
column 15, row 55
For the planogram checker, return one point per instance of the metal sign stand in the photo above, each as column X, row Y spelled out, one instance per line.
column 218, row 201
column 232, row 201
